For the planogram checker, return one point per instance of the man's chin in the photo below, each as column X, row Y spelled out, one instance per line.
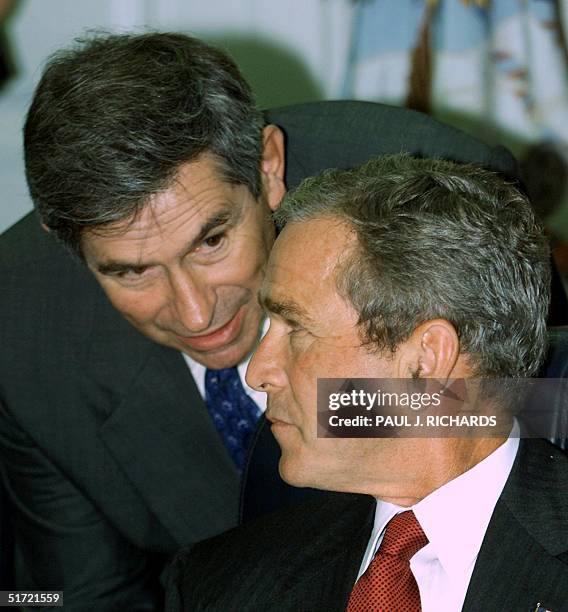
column 294, row 473
column 230, row 354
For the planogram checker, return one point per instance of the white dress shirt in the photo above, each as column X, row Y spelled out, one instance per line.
column 454, row 518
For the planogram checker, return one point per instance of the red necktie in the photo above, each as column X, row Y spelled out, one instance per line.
column 388, row 585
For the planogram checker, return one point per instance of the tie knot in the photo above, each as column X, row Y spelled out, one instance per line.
column 223, row 377
column 403, row 536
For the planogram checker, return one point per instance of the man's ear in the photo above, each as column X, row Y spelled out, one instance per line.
column 432, row 351
column 272, row 165
column 44, row 226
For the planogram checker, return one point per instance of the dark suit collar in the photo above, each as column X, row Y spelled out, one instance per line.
column 535, row 492
column 518, row 565
column 159, row 431
column 327, row 559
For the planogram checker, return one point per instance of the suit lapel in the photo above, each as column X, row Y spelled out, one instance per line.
column 327, row 560
column 160, row 434
column 518, row 565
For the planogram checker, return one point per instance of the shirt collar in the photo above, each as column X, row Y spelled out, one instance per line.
column 455, row 517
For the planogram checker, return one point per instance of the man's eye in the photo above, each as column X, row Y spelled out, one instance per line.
column 135, row 271
column 131, row 273
column 214, row 241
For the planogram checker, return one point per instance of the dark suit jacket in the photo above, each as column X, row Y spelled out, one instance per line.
column 307, row 558
column 107, row 453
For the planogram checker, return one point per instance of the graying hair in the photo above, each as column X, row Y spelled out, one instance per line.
column 114, row 117
column 438, row 240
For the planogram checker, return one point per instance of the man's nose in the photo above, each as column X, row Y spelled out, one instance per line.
column 193, row 301
column 266, row 369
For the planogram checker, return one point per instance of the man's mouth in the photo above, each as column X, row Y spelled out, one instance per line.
column 275, row 421
column 217, row 339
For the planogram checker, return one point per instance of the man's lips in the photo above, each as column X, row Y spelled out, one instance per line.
column 219, row 338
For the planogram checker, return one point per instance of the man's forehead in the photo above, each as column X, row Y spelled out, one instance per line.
column 154, row 227
column 303, row 264
column 169, row 223
column 198, row 191
column 160, row 219
column 198, row 186
column 311, row 248
column 282, row 292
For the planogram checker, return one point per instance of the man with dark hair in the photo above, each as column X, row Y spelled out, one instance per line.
column 124, row 423
column 405, row 268
column 147, row 157
column 194, row 102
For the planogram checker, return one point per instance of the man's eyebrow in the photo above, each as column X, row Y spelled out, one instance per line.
column 113, row 267
column 227, row 215
column 289, row 310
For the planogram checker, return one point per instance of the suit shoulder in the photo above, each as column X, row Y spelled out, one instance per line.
column 536, row 493
column 263, row 535
column 346, row 133
column 24, row 241
column 243, row 560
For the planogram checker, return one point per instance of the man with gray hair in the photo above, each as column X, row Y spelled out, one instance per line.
column 416, row 269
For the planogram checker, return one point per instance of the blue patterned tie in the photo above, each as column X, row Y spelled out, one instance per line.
column 233, row 412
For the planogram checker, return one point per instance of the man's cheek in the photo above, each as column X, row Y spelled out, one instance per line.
column 139, row 310
column 310, row 356
column 236, row 272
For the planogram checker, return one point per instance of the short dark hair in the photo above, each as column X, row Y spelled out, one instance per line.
column 114, row 117
column 437, row 239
